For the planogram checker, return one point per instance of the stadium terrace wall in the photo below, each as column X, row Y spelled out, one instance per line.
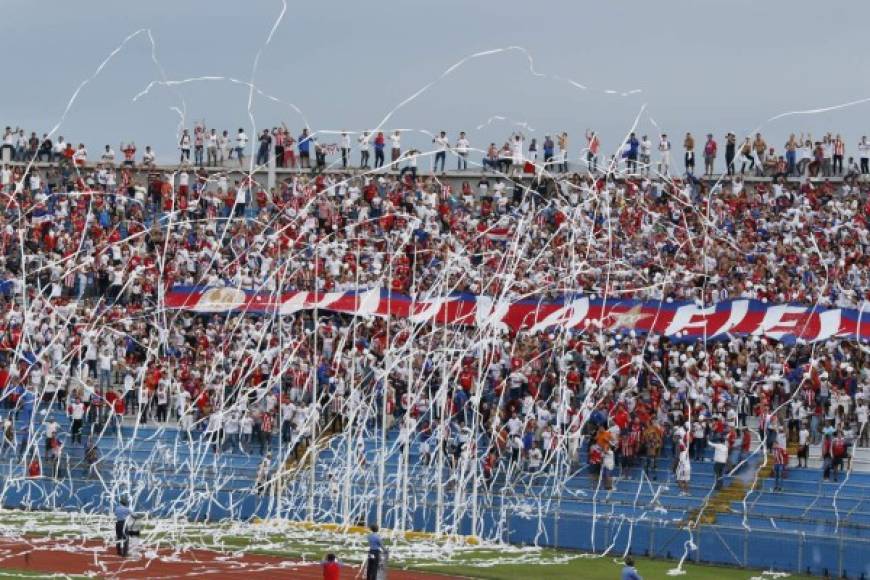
column 454, row 179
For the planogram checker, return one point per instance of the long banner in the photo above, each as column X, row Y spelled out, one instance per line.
column 678, row 320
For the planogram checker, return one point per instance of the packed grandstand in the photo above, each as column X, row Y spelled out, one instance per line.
column 525, row 344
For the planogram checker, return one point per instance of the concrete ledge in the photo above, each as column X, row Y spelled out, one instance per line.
column 281, row 172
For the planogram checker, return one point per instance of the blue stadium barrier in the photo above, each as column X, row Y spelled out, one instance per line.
column 837, row 554
column 794, row 531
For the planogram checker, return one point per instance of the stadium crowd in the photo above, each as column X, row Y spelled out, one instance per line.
column 89, row 250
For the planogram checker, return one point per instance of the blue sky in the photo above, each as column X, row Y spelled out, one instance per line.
column 701, row 66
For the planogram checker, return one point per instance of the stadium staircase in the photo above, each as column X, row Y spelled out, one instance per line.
column 807, row 503
column 734, row 490
column 302, row 458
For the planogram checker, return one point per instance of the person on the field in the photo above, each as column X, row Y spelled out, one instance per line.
column 376, row 548
column 123, row 516
column 331, row 567
column 629, row 572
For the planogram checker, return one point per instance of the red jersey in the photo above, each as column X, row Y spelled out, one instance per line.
column 779, row 456
column 331, row 570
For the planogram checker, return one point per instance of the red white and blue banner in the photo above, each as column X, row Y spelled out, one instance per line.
column 678, row 320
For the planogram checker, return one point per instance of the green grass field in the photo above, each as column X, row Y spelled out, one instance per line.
column 593, row 569
column 6, row 574
column 493, row 563
column 585, row 568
